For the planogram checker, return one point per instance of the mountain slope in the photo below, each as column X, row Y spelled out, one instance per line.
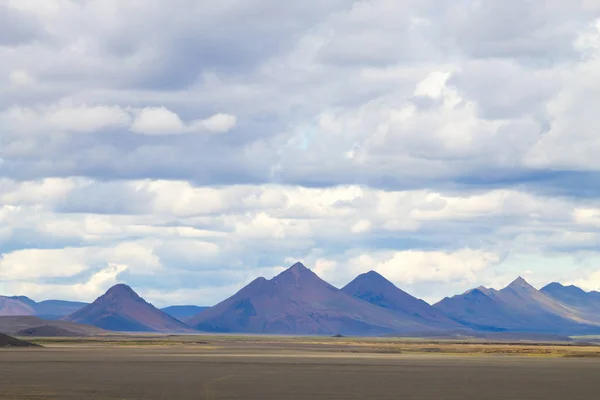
column 377, row 290
column 297, row 301
column 183, row 312
column 121, row 309
column 517, row 307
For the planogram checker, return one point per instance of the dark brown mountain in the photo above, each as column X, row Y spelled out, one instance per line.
column 297, row 301
column 121, row 309
column 519, row 307
column 9, row 341
column 375, row 289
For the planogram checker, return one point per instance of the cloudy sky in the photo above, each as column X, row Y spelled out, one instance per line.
column 186, row 147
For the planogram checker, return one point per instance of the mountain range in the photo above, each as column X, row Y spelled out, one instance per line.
column 297, row 301
column 519, row 307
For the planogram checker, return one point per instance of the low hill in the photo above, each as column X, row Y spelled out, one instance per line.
column 122, row 309
column 48, row 331
column 14, row 325
column 9, row 341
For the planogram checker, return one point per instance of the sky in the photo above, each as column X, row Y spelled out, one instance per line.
column 187, row 147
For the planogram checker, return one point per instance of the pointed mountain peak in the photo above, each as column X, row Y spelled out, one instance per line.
column 374, row 275
column 298, row 267
column 479, row 289
column 372, row 280
column 520, row 284
column 375, row 288
column 553, row 286
column 295, row 274
column 122, row 309
column 296, row 270
column 120, row 290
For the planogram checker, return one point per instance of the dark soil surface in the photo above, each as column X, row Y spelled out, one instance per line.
column 173, row 373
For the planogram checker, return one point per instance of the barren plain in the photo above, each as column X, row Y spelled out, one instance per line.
column 246, row 367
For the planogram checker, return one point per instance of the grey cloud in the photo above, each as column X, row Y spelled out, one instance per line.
column 232, row 37
column 504, row 89
column 108, row 198
column 268, row 76
column 532, row 31
column 18, row 28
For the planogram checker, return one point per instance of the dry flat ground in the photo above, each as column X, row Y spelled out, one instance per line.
column 219, row 367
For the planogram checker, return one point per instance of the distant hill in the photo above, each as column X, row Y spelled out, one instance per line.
column 518, row 307
column 9, row 306
column 121, row 309
column 8, row 341
column 183, row 313
column 587, row 303
column 297, row 301
column 15, row 325
column 48, row 309
column 377, row 290
column 48, row 331
column 57, row 309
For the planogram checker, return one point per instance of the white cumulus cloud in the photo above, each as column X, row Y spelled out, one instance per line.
column 162, row 121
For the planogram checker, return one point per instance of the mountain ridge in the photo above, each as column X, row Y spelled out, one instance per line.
column 517, row 307
column 298, row 301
